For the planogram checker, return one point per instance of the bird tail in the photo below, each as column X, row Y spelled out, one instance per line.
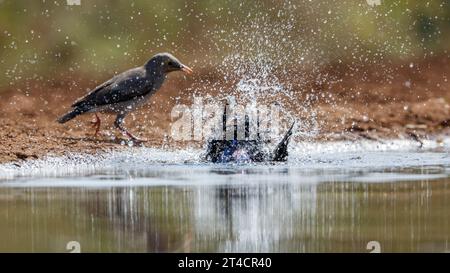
column 70, row 115
column 281, row 151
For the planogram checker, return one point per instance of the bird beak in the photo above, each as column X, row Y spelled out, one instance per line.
column 186, row 69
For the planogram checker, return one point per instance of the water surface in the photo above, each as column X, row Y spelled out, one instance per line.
column 151, row 200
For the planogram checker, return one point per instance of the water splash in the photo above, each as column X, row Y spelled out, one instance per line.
column 267, row 62
column 305, row 157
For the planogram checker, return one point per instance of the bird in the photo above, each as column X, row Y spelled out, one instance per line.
column 125, row 92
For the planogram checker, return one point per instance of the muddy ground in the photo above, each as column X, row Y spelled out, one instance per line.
column 402, row 100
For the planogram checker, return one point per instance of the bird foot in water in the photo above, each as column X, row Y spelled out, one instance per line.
column 133, row 138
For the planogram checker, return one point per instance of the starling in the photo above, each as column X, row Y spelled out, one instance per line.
column 126, row 91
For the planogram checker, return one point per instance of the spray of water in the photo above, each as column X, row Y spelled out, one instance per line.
column 265, row 64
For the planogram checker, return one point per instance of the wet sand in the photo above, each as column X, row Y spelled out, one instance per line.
column 413, row 103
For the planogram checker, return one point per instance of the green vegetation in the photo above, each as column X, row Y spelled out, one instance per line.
column 49, row 39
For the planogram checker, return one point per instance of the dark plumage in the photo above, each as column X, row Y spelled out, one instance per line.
column 245, row 150
column 126, row 91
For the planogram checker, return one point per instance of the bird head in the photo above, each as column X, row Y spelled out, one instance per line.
column 166, row 62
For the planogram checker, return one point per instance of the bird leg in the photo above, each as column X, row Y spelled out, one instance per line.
column 118, row 123
column 96, row 124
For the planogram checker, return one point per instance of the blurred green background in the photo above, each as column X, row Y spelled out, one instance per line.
column 47, row 40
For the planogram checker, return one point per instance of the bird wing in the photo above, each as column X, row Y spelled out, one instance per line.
column 91, row 93
column 129, row 85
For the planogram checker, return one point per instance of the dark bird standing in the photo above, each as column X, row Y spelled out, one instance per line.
column 126, row 91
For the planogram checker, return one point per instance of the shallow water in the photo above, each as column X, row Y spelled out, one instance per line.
column 327, row 198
